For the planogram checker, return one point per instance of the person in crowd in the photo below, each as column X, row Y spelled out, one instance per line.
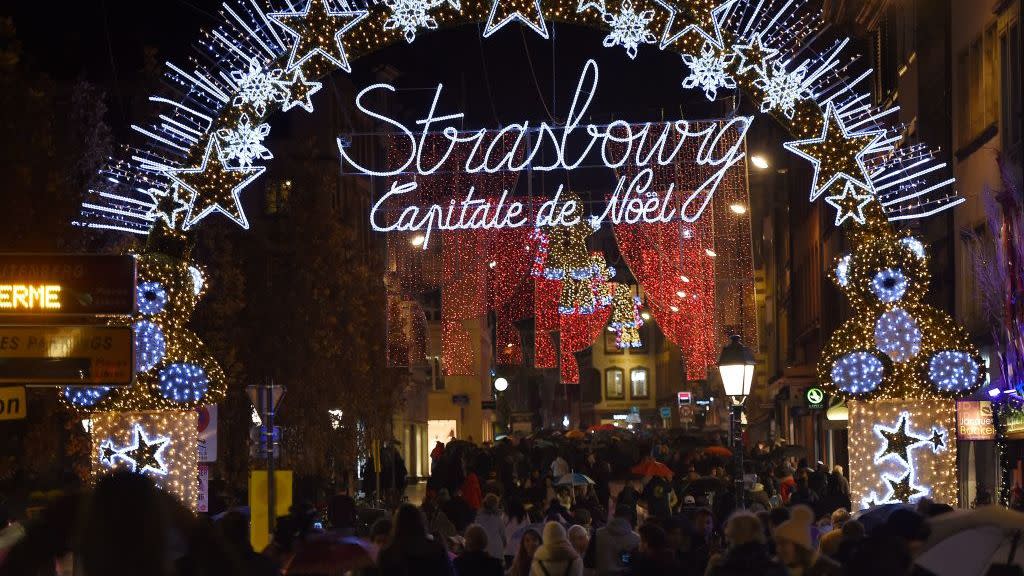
column 559, row 467
column 849, row 542
column 380, row 532
column 556, row 556
column 516, row 520
column 471, row 492
column 803, row 494
column 795, row 550
column 747, row 554
column 829, row 543
column 614, row 545
column 458, row 511
column 579, row 537
column 787, row 484
column 475, row 560
column 437, row 520
column 490, row 519
column 411, row 551
column 657, row 494
column 234, row 529
column 523, row 561
column 557, row 512
column 10, row 531
column 628, row 499
column 653, row 556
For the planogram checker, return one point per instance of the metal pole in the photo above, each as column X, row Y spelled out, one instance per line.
column 271, row 441
column 735, row 426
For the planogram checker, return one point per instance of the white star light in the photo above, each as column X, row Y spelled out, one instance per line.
column 411, row 15
column 305, row 99
column 244, row 142
column 585, row 4
column 166, row 206
column 842, row 210
column 714, row 36
column 629, row 28
column 306, row 39
column 182, row 177
column 756, row 44
column 782, row 90
column 535, row 21
column 163, row 441
column 257, row 87
column 709, row 70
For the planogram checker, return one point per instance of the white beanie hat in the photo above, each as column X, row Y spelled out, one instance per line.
column 798, row 528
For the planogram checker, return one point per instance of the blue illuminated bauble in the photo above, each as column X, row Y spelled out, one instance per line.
column 897, row 334
column 889, row 285
column 857, row 372
column 182, row 382
column 914, row 244
column 150, row 345
column 843, row 270
column 953, row 371
column 151, row 298
column 85, row 396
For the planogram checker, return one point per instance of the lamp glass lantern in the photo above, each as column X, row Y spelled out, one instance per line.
column 501, row 383
column 736, row 366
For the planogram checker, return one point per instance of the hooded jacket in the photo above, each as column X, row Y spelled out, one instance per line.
column 556, row 556
column 610, row 543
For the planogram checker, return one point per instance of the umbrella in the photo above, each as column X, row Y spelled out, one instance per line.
column 791, row 451
column 575, row 435
column 651, row 467
column 875, row 516
column 718, row 451
column 330, row 554
column 706, row 484
column 687, row 442
column 601, row 428
column 574, row 479
column 968, row 542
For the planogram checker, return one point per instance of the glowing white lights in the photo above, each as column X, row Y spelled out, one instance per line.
column 85, row 396
column 198, row 281
column 412, row 15
column 244, row 142
column 167, row 205
column 308, row 41
column 914, row 245
column 206, row 195
column 144, row 454
column 898, row 335
column 183, row 382
column 150, row 297
column 759, row 161
column 755, row 56
column 899, row 442
column 847, row 209
column 256, row 87
column 857, row 372
column 534, row 20
column 843, row 270
column 889, row 285
column 953, row 371
column 738, row 208
column 782, row 89
column 629, row 28
column 680, row 8
column 708, row 70
column 150, row 345
column 300, row 91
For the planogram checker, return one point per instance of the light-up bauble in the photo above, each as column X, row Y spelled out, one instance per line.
column 898, row 335
column 858, row 372
column 150, row 345
column 183, row 382
column 150, row 298
column 953, row 371
column 85, row 396
column 889, row 285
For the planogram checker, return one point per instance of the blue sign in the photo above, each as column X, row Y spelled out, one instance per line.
column 666, row 412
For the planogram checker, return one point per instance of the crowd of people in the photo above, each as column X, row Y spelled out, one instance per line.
column 616, row 505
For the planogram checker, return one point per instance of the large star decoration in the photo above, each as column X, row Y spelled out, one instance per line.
column 703, row 17
column 300, row 92
column 214, row 186
column 902, row 489
column 527, row 12
column 318, row 30
column 754, row 56
column 166, row 206
column 849, row 204
column 898, row 441
column 145, row 453
column 837, row 153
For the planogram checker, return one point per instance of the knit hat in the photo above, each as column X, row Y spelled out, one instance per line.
column 798, row 528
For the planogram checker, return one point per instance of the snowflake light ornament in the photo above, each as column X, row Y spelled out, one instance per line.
column 410, row 16
column 257, row 87
column 244, row 142
column 709, row 70
column 782, row 89
column 629, row 28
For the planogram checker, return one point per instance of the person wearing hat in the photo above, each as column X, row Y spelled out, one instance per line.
column 796, row 551
column 556, row 556
column 759, row 498
column 747, row 552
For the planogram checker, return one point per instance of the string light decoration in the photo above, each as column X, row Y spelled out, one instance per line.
column 885, row 278
column 160, row 445
column 565, row 258
column 901, row 451
column 173, row 369
column 258, row 62
column 214, row 186
column 626, row 319
column 708, row 70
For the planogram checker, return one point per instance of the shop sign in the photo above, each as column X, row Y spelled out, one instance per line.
column 815, row 398
column 54, row 284
column 974, row 420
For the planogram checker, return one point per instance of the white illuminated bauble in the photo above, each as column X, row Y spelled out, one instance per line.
column 857, row 372
column 953, row 371
column 898, row 335
column 889, row 285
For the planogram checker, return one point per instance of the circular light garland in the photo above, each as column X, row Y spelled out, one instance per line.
column 889, row 285
column 150, row 298
column 857, row 372
column 953, row 371
column 183, row 382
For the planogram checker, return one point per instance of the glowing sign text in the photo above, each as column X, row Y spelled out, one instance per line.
column 29, row 296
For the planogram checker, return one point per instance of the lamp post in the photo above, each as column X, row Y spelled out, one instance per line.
column 736, row 366
column 500, row 385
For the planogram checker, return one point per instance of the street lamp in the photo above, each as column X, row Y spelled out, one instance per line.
column 501, row 384
column 736, row 366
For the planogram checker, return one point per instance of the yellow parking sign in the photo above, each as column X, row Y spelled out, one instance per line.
column 12, row 402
